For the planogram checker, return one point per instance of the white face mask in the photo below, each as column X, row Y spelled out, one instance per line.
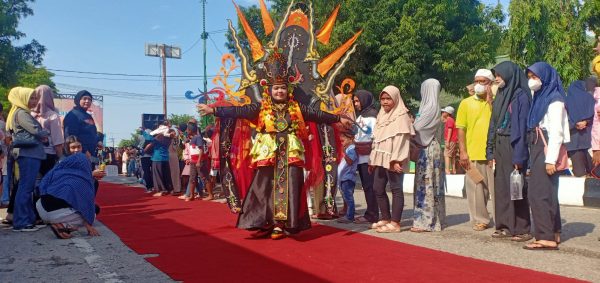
column 479, row 89
column 535, row 84
column 502, row 84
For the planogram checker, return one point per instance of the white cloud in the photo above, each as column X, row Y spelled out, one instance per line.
column 155, row 27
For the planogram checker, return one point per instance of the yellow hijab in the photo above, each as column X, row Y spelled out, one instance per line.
column 19, row 98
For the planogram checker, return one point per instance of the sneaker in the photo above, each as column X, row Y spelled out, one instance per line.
column 28, row 228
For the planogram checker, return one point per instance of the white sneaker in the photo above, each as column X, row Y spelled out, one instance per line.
column 29, row 228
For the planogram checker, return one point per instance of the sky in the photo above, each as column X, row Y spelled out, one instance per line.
column 108, row 36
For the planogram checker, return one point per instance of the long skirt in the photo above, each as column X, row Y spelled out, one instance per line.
column 257, row 208
column 430, row 184
column 511, row 215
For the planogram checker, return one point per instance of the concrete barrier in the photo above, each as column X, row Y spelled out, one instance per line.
column 571, row 190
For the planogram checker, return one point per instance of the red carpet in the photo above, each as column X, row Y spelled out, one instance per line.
column 197, row 242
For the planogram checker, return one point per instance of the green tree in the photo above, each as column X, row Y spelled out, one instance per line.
column 177, row 119
column 551, row 31
column 18, row 63
column 407, row 41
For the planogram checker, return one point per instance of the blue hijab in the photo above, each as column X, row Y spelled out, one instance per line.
column 71, row 181
column 580, row 103
column 551, row 91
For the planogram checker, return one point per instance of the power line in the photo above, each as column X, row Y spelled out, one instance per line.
column 215, row 45
column 130, row 75
column 125, row 75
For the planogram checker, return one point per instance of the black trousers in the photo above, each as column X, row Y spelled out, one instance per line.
column 381, row 178
column 366, row 179
column 582, row 162
column 147, row 172
column 543, row 194
column 511, row 215
column 48, row 163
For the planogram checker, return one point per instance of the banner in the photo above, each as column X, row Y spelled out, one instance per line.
column 65, row 103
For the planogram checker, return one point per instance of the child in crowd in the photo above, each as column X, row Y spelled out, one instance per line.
column 347, row 175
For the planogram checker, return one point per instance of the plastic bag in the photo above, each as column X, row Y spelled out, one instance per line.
column 516, row 185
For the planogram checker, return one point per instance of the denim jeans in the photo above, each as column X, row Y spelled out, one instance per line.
column 347, row 188
column 130, row 168
column 24, row 214
column 198, row 188
column 5, row 190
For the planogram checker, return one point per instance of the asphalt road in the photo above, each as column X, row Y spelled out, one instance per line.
column 40, row 257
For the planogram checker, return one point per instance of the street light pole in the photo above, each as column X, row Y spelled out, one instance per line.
column 163, row 51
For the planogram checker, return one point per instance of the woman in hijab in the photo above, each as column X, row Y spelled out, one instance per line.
column 507, row 145
column 68, row 194
column 46, row 114
column 389, row 157
column 580, row 105
column 363, row 142
column 548, row 117
column 78, row 122
column 28, row 149
column 430, row 178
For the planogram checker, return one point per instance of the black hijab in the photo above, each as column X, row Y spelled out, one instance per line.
column 79, row 96
column 514, row 78
column 366, row 103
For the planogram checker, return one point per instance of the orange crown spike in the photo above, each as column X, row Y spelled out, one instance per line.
column 266, row 18
column 257, row 49
column 325, row 32
column 328, row 62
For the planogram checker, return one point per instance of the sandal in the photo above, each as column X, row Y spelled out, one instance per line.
column 521, row 238
column 389, row 228
column 418, row 230
column 501, row 234
column 361, row 220
column 480, row 227
column 381, row 223
column 537, row 246
column 60, row 231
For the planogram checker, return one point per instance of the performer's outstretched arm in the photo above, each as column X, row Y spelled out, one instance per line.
column 249, row 112
column 319, row 116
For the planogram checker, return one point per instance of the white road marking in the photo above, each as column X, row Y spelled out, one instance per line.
column 95, row 261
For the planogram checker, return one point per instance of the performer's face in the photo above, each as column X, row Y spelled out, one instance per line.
column 279, row 93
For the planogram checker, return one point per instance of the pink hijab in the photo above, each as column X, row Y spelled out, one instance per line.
column 45, row 107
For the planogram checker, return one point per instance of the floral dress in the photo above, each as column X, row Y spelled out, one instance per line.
column 429, row 193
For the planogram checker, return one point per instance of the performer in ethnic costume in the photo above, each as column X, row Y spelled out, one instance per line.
column 275, row 202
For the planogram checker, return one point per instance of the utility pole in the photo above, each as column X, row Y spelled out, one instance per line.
column 206, row 120
column 204, row 38
column 163, row 55
column 163, row 51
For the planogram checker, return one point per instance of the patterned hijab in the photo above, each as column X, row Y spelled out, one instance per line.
column 396, row 121
column 428, row 120
column 71, row 181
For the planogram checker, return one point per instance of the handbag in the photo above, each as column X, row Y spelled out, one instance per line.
column 22, row 138
column 414, row 151
column 562, row 163
column 363, row 148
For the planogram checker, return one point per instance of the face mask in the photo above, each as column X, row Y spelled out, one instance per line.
column 502, row 84
column 479, row 89
column 535, row 84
